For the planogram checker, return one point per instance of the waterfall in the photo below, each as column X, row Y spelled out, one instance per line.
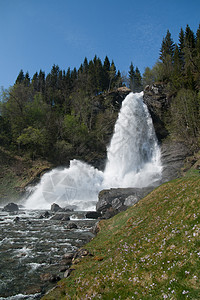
column 133, row 160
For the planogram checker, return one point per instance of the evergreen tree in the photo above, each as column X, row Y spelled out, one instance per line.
column 27, row 79
column 131, row 74
column 167, row 48
column 85, row 65
column 181, row 46
column 20, row 77
column 112, row 75
column 41, row 82
column 35, row 82
column 189, row 38
column 106, row 70
column 138, row 81
column 198, row 40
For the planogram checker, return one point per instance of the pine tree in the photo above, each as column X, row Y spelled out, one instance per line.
column 85, row 65
column 189, row 38
column 181, row 46
column 131, row 74
column 20, row 77
column 27, row 79
column 112, row 76
column 34, row 82
column 167, row 48
column 138, row 81
column 106, row 70
column 41, row 82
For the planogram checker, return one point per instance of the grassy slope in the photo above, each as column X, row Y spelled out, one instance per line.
column 150, row 250
column 15, row 173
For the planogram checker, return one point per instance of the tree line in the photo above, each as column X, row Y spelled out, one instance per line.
column 178, row 68
column 71, row 113
column 63, row 114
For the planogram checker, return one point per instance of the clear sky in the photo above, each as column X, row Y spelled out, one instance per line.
column 35, row 34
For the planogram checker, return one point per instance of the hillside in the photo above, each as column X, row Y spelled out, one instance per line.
column 150, row 250
column 16, row 173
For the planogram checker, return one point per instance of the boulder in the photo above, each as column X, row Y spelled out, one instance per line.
column 68, row 272
column 49, row 277
column 55, row 207
column 60, row 217
column 112, row 201
column 92, row 215
column 71, row 226
column 46, row 214
column 11, row 207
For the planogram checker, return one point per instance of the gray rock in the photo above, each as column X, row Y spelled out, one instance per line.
column 68, row 272
column 55, row 207
column 60, row 217
column 11, row 207
column 92, row 215
column 130, row 200
column 157, row 100
column 173, row 155
column 113, row 200
column 71, row 226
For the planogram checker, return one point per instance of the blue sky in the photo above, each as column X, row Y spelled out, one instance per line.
column 35, row 34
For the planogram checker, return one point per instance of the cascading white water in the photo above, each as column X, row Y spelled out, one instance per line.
column 133, row 160
column 133, row 154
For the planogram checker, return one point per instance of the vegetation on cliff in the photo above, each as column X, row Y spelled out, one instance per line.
column 64, row 115
column 150, row 250
column 179, row 69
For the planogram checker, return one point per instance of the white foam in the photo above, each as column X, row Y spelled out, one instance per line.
column 133, row 160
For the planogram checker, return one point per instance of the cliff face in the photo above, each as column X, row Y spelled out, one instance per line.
column 173, row 153
column 157, row 100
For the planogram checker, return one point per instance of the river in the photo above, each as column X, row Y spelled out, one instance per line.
column 31, row 246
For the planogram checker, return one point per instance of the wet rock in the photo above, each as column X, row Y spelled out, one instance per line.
column 11, row 207
column 70, row 208
column 92, row 215
column 66, row 261
column 96, row 228
column 81, row 253
column 49, row 277
column 65, row 218
column 68, row 272
column 109, row 213
column 16, row 220
column 113, row 201
column 46, row 214
column 63, row 268
column 72, row 226
column 68, row 255
column 60, row 217
column 55, row 207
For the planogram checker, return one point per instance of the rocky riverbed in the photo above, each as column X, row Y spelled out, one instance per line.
column 36, row 249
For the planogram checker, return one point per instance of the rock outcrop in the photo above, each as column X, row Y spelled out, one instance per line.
column 11, row 207
column 157, row 100
column 173, row 153
column 113, row 201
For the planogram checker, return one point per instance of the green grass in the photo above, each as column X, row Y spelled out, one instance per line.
column 152, row 250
